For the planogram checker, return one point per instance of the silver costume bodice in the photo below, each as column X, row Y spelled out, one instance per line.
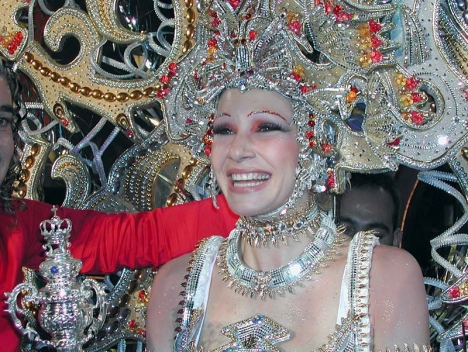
column 353, row 330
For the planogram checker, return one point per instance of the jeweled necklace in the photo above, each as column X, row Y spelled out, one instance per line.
column 262, row 231
column 252, row 283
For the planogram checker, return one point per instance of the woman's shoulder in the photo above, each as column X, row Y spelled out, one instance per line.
column 387, row 257
column 173, row 268
column 394, row 271
column 178, row 267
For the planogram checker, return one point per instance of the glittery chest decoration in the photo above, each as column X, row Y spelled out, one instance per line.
column 260, row 333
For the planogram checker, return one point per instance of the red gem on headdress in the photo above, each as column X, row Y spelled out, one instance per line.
column 376, row 42
column 212, row 43
column 330, row 181
column 252, row 35
column 412, row 83
column 297, row 77
column 64, row 122
column 216, row 22
column 11, row 49
column 132, row 324
column 305, row 89
column 327, row 147
column 207, row 150
column 129, row 134
column 395, row 142
column 374, row 26
column 164, row 79
column 312, row 144
column 188, row 121
column 295, row 27
column 354, row 89
column 416, row 97
column 337, row 9
column 311, row 123
column 234, row 3
column 454, row 292
column 173, row 67
column 376, row 56
column 309, row 134
column 466, row 94
column 340, row 15
column 417, row 117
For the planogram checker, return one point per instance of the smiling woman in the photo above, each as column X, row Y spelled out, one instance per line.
column 274, row 137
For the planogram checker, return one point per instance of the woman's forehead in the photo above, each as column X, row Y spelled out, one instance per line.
column 254, row 99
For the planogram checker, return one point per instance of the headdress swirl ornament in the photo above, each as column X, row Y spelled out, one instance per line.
column 368, row 92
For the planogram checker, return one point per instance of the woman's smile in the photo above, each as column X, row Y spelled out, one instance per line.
column 249, row 179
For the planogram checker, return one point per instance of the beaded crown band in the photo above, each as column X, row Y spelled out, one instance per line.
column 364, row 100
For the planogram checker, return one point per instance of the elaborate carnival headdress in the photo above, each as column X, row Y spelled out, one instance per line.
column 356, row 106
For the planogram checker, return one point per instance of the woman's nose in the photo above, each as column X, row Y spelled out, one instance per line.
column 241, row 147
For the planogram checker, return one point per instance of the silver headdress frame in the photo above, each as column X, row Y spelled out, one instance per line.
column 338, row 64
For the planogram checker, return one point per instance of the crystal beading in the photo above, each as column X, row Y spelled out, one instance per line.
column 252, row 283
column 258, row 231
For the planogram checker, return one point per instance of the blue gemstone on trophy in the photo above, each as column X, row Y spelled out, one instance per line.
column 54, row 270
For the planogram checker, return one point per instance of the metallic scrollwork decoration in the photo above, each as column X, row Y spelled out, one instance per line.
column 66, row 309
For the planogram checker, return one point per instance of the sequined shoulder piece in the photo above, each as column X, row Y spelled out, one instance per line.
column 352, row 331
column 197, row 284
column 359, row 262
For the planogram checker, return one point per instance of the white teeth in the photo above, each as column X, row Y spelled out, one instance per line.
column 250, row 177
column 247, row 184
column 255, row 178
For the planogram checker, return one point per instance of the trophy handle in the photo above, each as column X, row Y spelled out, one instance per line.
column 16, row 308
column 87, row 288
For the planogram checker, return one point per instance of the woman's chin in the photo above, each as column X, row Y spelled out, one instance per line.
column 251, row 208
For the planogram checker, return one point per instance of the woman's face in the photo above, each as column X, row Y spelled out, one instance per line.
column 255, row 152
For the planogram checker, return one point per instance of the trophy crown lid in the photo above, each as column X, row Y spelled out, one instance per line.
column 56, row 231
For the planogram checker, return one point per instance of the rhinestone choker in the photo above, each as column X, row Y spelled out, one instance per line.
column 252, row 283
column 259, row 231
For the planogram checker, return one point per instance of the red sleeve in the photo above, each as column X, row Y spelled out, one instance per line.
column 107, row 242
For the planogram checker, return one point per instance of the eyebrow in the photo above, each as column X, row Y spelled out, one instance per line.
column 7, row 108
column 266, row 112
column 224, row 114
